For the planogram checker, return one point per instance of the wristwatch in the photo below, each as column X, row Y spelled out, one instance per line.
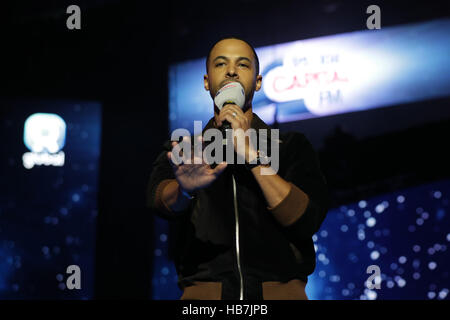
column 261, row 159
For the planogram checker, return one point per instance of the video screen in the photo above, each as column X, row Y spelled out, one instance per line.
column 330, row 75
column 48, row 198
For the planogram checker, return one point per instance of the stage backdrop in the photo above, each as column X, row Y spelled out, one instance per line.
column 48, row 198
column 330, row 75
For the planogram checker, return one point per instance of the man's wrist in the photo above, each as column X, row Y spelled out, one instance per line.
column 186, row 194
column 257, row 159
column 252, row 156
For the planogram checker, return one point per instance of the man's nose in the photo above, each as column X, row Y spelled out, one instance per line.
column 231, row 72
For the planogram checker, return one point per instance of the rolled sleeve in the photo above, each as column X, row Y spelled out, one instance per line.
column 160, row 177
column 159, row 204
column 291, row 207
column 303, row 171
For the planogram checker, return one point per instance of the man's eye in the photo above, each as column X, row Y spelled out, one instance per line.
column 244, row 65
column 219, row 64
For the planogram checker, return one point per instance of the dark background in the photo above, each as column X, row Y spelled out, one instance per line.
column 120, row 57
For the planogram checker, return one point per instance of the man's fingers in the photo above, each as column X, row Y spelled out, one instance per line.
column 197, row 150
column 174, row 160
column 233, row 108
column 169, row 157
column 228, row 117
column 236, row 121
column 181, row 151
column 186, row 139
column 220, row 168
column 200, row 140
column 185, row 152
column 177, row 148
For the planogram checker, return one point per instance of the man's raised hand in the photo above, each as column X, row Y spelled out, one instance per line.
column 191, row 172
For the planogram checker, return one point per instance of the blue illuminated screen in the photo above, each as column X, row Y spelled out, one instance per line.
column 330, row 75
column 48, row 197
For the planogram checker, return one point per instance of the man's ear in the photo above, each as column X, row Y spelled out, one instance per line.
column 206, row 82
column 258, row 82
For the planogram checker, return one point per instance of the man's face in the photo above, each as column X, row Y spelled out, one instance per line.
column 232, row 60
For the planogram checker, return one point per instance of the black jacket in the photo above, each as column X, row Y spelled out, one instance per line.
column 205, row 236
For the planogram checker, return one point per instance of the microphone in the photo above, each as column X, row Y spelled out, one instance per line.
column 231, row 93
column 225, row 126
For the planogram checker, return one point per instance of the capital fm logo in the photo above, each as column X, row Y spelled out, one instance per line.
column 45, row 136
column 319, row 78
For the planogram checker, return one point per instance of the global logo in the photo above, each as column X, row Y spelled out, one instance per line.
column 44, row 136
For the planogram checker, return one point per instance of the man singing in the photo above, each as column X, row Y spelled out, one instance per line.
column 241, row 234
